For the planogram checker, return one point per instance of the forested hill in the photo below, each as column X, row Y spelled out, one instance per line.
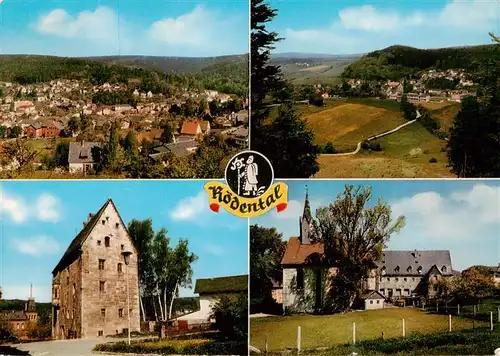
column 399, row 61
column 225, row 74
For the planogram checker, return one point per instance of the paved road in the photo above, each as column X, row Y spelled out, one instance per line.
column 77, row 347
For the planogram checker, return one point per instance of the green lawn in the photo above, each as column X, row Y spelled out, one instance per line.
column 47, row 146
column 405, row 154
column 330, row 330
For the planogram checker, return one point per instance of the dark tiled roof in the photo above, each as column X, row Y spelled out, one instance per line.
column 182, row 148
column 81, row 152
column 409, row 262
column 230, row 284
column 372, row 294
column 13, row 315
column 297, row 253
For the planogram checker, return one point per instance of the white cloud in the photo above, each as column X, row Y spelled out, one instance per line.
column 293, row 211
column 369, row 18
column 459, row 216
column 35, row 246
column 14, row 207
column 193, row 28
column 190, row 208
column 358, row 29
column 41, row 293
column 214, row 249
column 100, row 24
column 48, row 208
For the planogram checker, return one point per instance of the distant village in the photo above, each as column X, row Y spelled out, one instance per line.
column 417, row 90
column 46, row 110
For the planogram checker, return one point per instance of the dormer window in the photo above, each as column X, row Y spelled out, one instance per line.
column 419, row 269
column 117, row 225
column 443, row 269
column 103, row 222
column 396, row 269
column 408, row 269
column 383, row 270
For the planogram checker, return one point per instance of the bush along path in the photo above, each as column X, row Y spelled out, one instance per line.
column 358, row 147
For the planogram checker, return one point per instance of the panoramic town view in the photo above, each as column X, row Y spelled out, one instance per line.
column 378, row 268
column 105, row 270
column 103, row 98
column 373, row 91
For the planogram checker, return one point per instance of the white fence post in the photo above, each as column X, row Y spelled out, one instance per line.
column 491, row 321
column 299, row 339
column 354, row 333
column 404, row 330
column 267, row 345
column 449, row 322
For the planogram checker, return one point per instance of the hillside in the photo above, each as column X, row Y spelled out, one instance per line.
column 225, row 74
column 396, row 62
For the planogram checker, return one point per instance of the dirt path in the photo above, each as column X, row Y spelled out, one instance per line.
column 358, row 147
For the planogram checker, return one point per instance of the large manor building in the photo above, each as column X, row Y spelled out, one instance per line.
column 399, row 275
column 89, row 285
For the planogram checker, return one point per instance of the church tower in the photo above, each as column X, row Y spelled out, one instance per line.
column 306, row 223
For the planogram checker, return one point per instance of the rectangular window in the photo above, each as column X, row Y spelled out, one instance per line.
column 388, row 279
column 103, row 312
column 397, row 279
column 101, row 264
column 382, row 291
column 404, row 279
column 123, row 246
column 378, row 301
column 98, row 242
column 101, row 286
column 67, row 280
column 407, row 292
column 120, row 313
column 371, row 301
column 398, row 292
column 100, row 333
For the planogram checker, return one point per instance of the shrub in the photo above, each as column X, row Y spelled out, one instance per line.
column 329, row 148
column 372, row 146
column 433, row 160
column 231, row 316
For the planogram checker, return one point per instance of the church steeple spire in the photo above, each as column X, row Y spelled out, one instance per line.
column 307, row 208
column 306, row 222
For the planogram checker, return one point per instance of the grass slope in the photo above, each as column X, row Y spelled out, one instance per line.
column 331, row 330
column 346, row 125
column 395, row 160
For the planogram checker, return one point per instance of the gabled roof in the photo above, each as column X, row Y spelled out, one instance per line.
column 81, row 152
column 229, row 284
column 190, row 128
column 372, row 294
column 13, row 315
column 297, row 253
column 410, row 261
column 73, row 249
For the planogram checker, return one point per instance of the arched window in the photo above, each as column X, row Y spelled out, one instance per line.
column 106, row 241
column 119, row 268
column 443, row 269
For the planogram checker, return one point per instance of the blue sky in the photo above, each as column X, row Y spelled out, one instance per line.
column 39, row 220
column 192, row 28
column 360, row 26
column 460, row 216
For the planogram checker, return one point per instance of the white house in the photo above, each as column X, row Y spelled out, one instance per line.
column 209, row 291
column 373, row 300
column 80, row 157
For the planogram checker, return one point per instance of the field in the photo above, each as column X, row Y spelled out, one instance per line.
column 47, row 146
column 405, row 154
column 346, row 125
column 325, row 72
column 445, row 112
column 332, row 330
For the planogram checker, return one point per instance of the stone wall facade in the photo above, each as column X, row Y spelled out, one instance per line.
column 396, row 286
column 90, row 295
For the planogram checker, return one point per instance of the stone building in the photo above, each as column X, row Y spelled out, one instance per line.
column 21, row 321
column 399, row 274
column 89, row 285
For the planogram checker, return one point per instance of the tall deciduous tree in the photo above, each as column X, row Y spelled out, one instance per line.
column 18, row 153
column 353, row 234
column 265, row 266
column 163, row 269
column 295, row 155
column 473, row 285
